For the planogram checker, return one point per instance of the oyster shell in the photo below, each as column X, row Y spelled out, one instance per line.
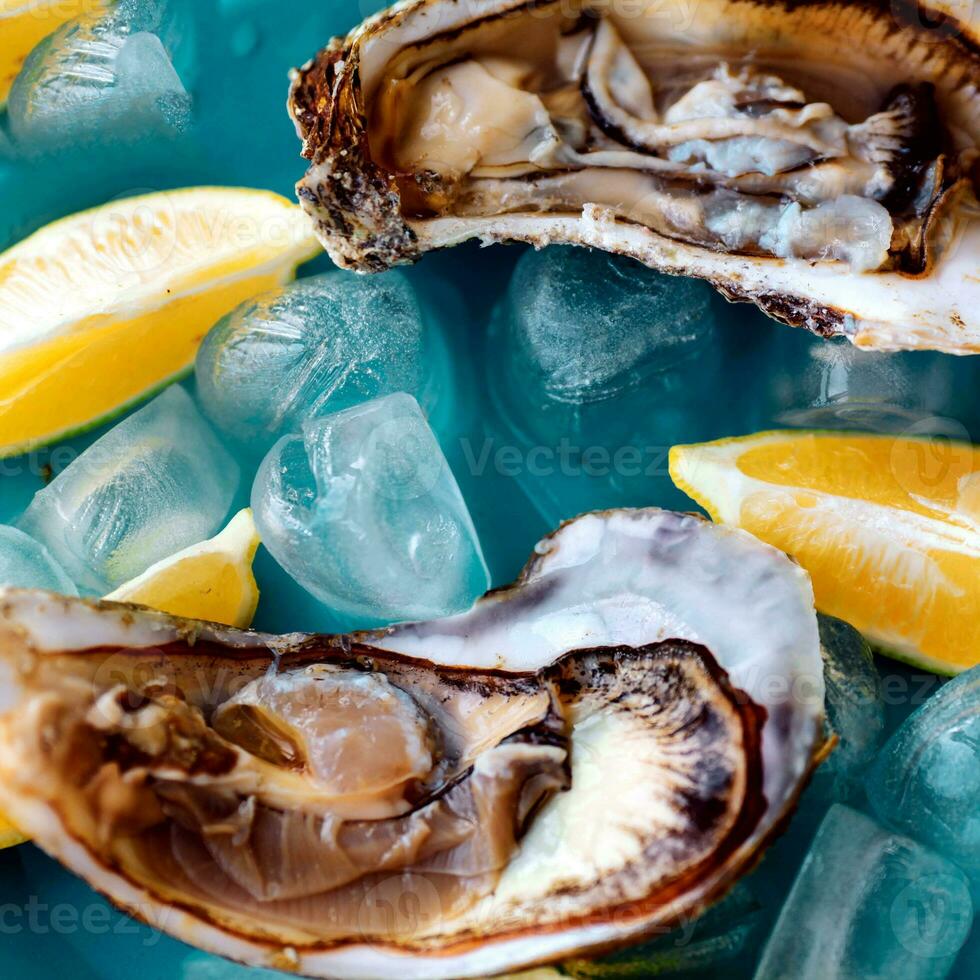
column 736, row 140
column 635, row 717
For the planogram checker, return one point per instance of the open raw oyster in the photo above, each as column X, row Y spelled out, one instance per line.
column 816, row 157
column 631, row 722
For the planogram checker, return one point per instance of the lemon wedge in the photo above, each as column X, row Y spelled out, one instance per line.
column 25, row 23
column 212, row 580
column 887, row 527
column 9, row 834
column 101, row 309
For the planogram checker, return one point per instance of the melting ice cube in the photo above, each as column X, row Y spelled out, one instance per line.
column 596, row 366
column 157, row 482
column 107, row 76
column 818, row 383
column 26, row 564
column 926, row 780
column 582, row 329
column 855, row 709
column 316, row 347
column 364, row 512
column 868, row 903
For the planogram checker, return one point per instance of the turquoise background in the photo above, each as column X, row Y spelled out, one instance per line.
column 50, row 923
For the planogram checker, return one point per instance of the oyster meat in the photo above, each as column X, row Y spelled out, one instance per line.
column 735, row 140
column 591, row 754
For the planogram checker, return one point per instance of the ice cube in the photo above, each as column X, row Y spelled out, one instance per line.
column 364, row 512
column 582, row 335
column 868, row 903
column 155, row 483
column 926, row 780
column 26, row 564
column 819, row 383
column 103, row 76
column 596, row 366
column 855, row 710
column 316, row 347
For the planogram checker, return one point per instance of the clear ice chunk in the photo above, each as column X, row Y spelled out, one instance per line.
column 820, row 383
column 26, row 564
column 585, row 335
column 156, row 483
column 596, row 365
column 855, row 709
column 316, row 347
column 105, row 76
column 364, row 512
column 926, row 780
column 868, row 903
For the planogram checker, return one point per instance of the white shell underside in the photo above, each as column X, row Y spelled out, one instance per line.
column 620, row 578
column 882, row 311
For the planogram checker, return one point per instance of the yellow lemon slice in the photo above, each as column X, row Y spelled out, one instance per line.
column 9, row 834
column 212, row 580
column 888, row 528
column 101, row 309
column 25, row 23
